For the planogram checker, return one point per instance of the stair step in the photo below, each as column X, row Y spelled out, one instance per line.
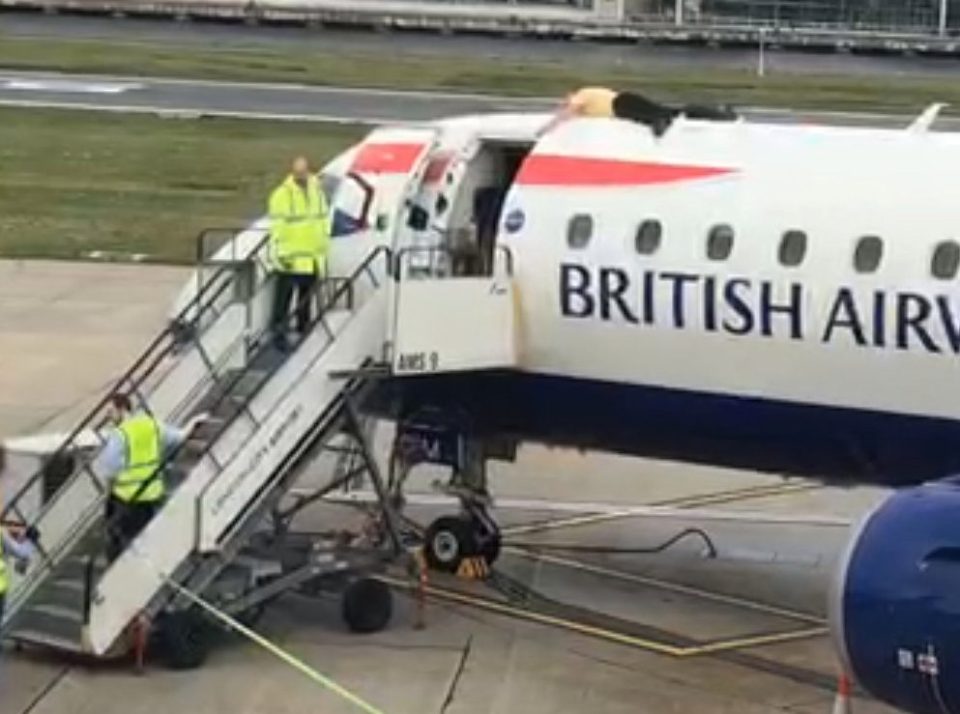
column 79, row 562
column 87, row 547
column 67, row 584
column 33, row 618
column 244, row 385
column 57, row 611
column 74, row 568
column 62, row 593
column 45, row 639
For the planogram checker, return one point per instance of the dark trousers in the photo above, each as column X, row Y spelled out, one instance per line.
column 287, row 285
column 124, row 523
column 636, row 107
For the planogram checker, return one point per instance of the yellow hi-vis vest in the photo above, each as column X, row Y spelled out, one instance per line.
column 143, row 442
column 299, row 227
column 4, row 576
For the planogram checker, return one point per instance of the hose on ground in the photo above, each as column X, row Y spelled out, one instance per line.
column 614, row 550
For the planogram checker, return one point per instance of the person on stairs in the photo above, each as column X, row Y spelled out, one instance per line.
column 299, row 242
column 131, row 463
column 17, row 548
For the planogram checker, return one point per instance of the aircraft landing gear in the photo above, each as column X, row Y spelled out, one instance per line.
column 451, row 539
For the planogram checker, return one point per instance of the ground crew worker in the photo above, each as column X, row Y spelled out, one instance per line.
column 130, row 463
column 300, row 240
column 18, row 549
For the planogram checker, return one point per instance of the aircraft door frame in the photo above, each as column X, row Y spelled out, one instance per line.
column 450, row 181
column 397, row 224
column 415, row 241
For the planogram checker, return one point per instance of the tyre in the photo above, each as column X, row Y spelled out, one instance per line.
column 447, row 542
column 367, row 605
column 184, row 641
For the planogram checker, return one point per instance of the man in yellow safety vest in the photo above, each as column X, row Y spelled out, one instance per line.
column 130, row 462
column 300, row 241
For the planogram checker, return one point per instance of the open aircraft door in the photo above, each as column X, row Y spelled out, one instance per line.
column 369, row 202
column 425, row 227
column 447, row 319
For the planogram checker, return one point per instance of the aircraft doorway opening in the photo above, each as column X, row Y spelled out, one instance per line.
column 457, row 210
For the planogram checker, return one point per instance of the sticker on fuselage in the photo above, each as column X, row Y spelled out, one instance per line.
column 514, row 220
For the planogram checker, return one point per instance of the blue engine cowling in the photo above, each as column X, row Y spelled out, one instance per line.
column 895, row 611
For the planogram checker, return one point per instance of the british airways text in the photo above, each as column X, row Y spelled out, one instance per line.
column 747, row 306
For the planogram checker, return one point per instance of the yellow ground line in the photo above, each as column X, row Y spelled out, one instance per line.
column 669, row 586
column 283, row 655
column 607, row 634
column 533, row 616
column 739, row 643
column 689, row 502
column 569, row 522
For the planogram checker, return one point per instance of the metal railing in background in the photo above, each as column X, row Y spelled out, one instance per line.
column 852, row 19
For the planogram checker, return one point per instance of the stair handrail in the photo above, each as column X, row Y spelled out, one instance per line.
column 167, row 342
column 345, row 288
column 128, row 378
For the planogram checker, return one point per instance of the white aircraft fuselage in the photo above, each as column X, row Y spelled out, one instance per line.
column 778, row 297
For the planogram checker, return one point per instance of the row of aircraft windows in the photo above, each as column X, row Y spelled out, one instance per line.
column 867, row 254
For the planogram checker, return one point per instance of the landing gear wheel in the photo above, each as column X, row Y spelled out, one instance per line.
column 184, row 641
column 367, row 605
column 447, row 542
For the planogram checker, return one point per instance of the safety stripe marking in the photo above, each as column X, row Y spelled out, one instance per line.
column 664, row 648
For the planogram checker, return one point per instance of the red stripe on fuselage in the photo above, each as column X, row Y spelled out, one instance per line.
column 394, row 158
column 545, row 170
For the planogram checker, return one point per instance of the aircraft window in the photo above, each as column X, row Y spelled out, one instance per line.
column 946, row 260
column 579, row 230
column 720, row 242
column 793, row 247
column 867, row 255
column 648, row 237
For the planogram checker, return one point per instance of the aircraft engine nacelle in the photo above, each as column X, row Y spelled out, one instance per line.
column 895, row 610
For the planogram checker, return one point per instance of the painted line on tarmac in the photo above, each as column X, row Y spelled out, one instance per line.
column 194, row 113
column 669, row 586
column 282, row 86
column 603, row 633
column 751, row 641
column 827, row 114
column 46, row 690
column 23, row 84
column 585, row 508
column 280, row 653
column 683, row 503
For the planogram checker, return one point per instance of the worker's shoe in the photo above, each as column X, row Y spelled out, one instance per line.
column 660, row 125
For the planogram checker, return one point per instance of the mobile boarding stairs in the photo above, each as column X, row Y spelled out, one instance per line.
column 223, row 531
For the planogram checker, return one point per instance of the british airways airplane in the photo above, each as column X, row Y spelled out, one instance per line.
column 781, row 298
